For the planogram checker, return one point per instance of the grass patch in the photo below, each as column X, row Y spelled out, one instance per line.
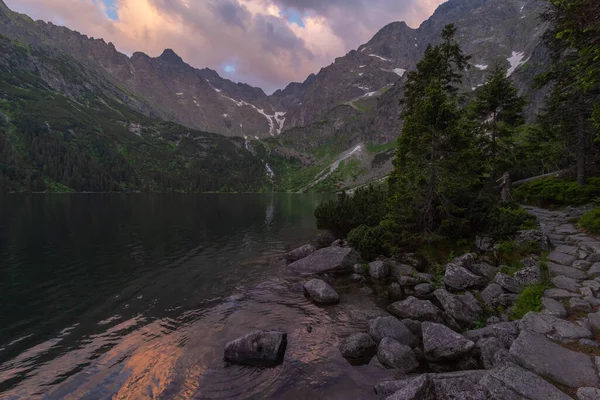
column 375, row 148
column 590, row 221
column 529, row 300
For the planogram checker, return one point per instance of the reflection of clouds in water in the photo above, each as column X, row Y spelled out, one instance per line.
column 270, row 213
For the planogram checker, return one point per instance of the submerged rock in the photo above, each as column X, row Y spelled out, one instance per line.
column 263, row 348
column 300, row 252
column 321, row 292
column 329, row 259
column 358, row 346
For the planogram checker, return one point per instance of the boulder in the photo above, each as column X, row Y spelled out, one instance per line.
column 561, row 258
column 387, row 388
column 329, row 259
column 491, row 295
column 557, row 269
column 529, row 276
column 321, row 292
column 339, row 243
column 378, row 270
column 594, row 270
column 463, row 385
column 423, row 289
column 576, row 304
column 511, row 382
column 493, row 353
column 465, row 261
column 300, row 253
column 324, row 239
column 358, row 346
column 559, row 294
column 408, row 281
column 484, row 270
column 582, row 265
column 553, row 327
column 505, row 332
column 566, row 283
column 465, row 309
column 413, row 308
column 262, row 348
column 460, row 278
column 536, row 236
column 484, row 243
column 593, row 258
column 508, row 283
column 568, row 250
column 391, row 327
column 412, row 259
column 594, row 320
column 395, row 291
column 586, row 291
column 394, row 354
column 440, row 343
column 424, row 277
column 594, row 285
column 553, row 362
column 420, row 388
column 413, row 326
column 588, row 393
column 398, row 270
column 553, row 307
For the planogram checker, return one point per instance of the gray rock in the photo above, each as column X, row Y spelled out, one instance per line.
column 463, row 385
column 320, row 292
column 409, row 281
column 398, row 270
column 567, row 229
column 593, row 258
column 510, row 382
column 339, row 243
column 465, row 309
column 358, row 278
column 594, row 320
column 529, row 276
column 559, row 294
column 423, row 289
column 484, row 243
column 556, row 270
column 536, row 236
column 465, row 261
column 594, row 270
column 420, row 388
column 561, row 258
column 262, row 348
column 300, row 252
column 508, row 283
column 358, row 346
column 391, row 327
column 493, row 353
column 413, row 326
column 594, row 285
column 505, row 332
column 566, row 283
column 588, row 393
column 491, row 294
column 329, row 259
column 324, row 239
column 576, row 304
column 460, row 278
column 582, row 265
column 553, row 362
column 569, row 250
column 395, row 355
column 440, row 343
column 553, row 327
column 413, row 308
column 553, row 307
column 589, row 343
column 424, row 277
column 493, row 320
column 591, row 247
column 484, row 270
column 395, row 291
column 411, row 259
column 507, row 299
column 387, row 388
column 586, row 291
column 378, row 270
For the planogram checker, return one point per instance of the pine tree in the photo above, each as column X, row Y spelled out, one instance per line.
column 431, row 168
column 497, row 111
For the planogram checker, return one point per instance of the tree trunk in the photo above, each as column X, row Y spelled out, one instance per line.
column 581, row 177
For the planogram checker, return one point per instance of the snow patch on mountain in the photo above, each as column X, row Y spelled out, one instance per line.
column 481, row 67
column 381, row 58
column 516, row 60
column 399, row 71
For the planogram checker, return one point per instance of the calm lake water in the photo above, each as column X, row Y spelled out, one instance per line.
column 135, row 296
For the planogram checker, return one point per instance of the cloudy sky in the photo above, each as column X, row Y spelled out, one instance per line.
column 266, row 43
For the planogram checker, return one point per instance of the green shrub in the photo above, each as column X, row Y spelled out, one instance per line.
column 366, row 207
column 371, row 242
column 530, row 299
column 591, row 221
column 554, row 192
column 506, row 220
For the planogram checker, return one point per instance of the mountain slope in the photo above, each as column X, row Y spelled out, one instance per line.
column 64, row 127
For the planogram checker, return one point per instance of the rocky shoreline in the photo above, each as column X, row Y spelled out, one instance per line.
column 454, row 336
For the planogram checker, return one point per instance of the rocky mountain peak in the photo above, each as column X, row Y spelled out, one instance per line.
column 171, row 57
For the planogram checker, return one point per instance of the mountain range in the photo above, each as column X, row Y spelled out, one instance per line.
column 336, row 129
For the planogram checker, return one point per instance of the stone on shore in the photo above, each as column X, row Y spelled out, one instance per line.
column 440, row 343
column 413, row 308
column 378, row 270
column 458, row 277
column 505, row 332
column 511, row 382
column 553, row 362
column 329, row 259
column 300, row 253
column 553, row 327
column 463, row 385
column 398, row 270
column 424, row 289
column 420, row 388
column 387, row 388
column 508, row 283
column 321, row 292
column 391, row 327
column 358, row 346
column 465, row 309
column 394, row 354
column 262, row 348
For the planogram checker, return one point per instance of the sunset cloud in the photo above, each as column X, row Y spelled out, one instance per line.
column 266, row 43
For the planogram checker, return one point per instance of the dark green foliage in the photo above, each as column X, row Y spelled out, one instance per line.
column 529, row 300
column 370, row 241
column 366, row 207
column 506, row 220
column 554, row 192
column 591, row 221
